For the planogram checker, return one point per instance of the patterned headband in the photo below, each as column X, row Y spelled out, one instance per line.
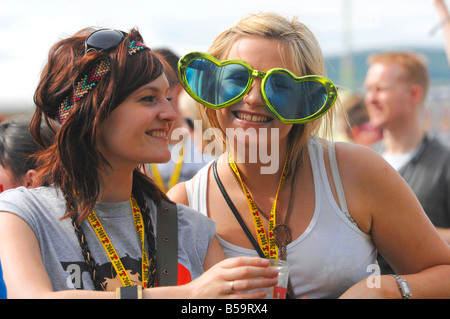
column 90, row 80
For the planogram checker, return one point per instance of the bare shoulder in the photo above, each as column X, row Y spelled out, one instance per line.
column 360, row 164
column 367, row 178
column 178, row 194
column 359, row 157
column 361, row 168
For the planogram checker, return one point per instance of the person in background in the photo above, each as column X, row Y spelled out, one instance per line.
column 444, row 23
column 198, row 131
column 186, row 159
column 93, row 232
column 17, row 165
column 326, row 208
column 3, row 292
column 357, row 126
column 396, row 86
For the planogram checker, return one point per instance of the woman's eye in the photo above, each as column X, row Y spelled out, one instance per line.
column 148, row 99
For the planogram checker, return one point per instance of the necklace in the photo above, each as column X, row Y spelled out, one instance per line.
column 111, row 252
column 267, row 242
column 281, row 231
column 175, row 174
column 148, row 268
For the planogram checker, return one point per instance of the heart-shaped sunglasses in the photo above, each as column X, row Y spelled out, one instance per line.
column 218, row 84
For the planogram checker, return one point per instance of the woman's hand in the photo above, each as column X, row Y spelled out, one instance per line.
column 239, row 277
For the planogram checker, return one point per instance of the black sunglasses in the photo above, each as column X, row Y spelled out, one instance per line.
column 103, row 39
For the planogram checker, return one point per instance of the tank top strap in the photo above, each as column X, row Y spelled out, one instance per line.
column 338, row 182
column 196, row 190
column 317, row 154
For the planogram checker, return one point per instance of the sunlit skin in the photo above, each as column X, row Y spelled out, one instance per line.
column 125, row 146
column 7, row 180
column 387, row 99
column 393, row 106
column 152, row 115
column 263, row 55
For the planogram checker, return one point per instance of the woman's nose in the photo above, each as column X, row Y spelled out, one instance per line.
column 254, row 96
column 168, row 113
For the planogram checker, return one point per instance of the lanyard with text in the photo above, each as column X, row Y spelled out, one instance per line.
column 175, row 175
column 267, row 244
column 111, row 252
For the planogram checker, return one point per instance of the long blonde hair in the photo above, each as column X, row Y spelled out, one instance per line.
column 299, row 48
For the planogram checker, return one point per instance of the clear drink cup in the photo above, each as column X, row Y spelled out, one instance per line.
column 279, row 291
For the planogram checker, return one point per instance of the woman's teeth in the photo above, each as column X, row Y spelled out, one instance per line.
column 158, row 134
column 252, row 118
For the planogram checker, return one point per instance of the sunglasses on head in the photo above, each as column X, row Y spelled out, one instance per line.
column 218, row 84
column 103, row 40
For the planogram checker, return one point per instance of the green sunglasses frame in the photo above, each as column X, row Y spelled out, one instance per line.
column 329, row 86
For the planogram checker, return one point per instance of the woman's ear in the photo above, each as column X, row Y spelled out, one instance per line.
column 30, row 178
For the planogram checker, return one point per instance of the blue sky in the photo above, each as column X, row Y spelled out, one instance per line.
column 28, row 28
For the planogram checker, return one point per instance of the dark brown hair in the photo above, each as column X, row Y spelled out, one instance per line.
column 73, row 162
column 17, row 146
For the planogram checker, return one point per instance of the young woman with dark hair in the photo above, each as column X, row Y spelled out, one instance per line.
column 96, row 227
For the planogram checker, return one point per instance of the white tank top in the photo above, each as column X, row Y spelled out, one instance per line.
column 331, row 255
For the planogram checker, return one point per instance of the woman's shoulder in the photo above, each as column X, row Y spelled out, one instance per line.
column 37, row 206
column 191, row 215
column 179, row 192
column 30, row 195
column 359, row 157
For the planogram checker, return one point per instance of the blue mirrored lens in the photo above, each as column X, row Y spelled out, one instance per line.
column 294, row 100
column 216, row 84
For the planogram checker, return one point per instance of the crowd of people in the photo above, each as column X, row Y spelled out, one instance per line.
column 103, row 185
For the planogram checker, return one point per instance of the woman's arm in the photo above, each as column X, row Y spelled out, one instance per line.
column 445, row 22
column 23, row 270
column 26, row 277
column 385, row 206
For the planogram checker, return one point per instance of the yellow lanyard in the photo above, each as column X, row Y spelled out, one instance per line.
column 175, row 175
column 111, row 252
column 267, row 244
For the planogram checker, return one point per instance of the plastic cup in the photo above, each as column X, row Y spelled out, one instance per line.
column 279, row 291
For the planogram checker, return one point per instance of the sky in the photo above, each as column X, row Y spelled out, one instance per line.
column 28, row 28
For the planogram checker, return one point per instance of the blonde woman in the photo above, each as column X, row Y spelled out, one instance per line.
column 327, row 207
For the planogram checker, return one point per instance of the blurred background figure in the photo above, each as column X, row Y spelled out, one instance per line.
column 17, row 168
column 203, row 142
column 444, row 23
column 186, row 158
column 357, row 126
column 2, row 284
column 396, row 85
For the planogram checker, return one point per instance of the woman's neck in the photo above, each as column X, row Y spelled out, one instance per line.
column 116, row 185
column 254, row 174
